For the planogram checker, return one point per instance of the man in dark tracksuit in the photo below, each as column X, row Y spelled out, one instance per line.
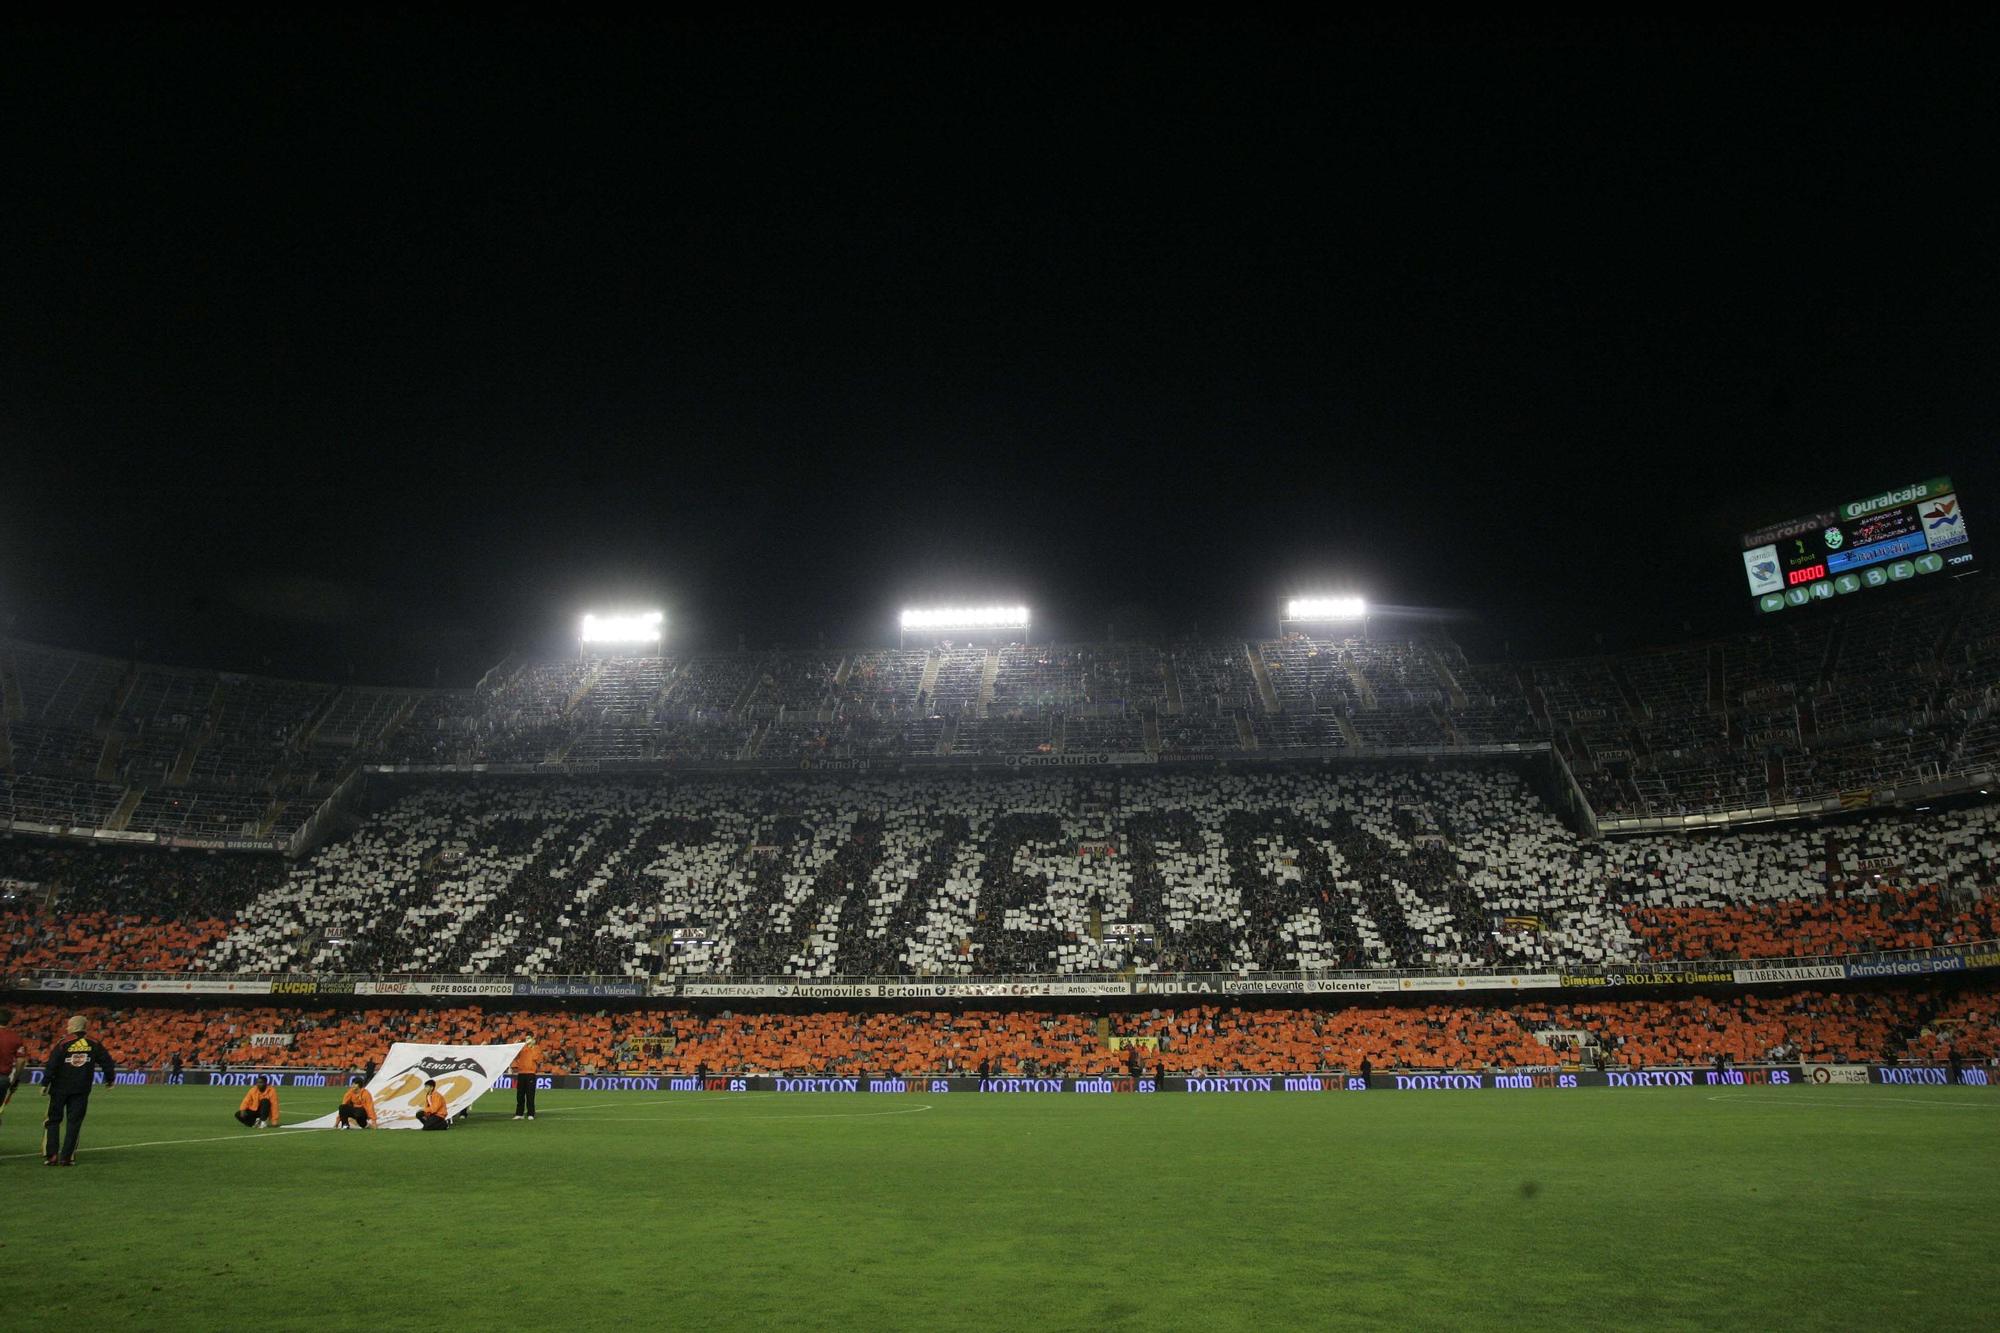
column 66, row 1083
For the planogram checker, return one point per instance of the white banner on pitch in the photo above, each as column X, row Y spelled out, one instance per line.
column 463, row 1074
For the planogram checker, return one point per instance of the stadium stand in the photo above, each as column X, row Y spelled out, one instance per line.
column 1876, row 696
column 1916, row 1023
column 1448, row 867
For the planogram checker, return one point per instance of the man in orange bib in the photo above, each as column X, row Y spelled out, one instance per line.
column 259, row 1107
column 434, row 1114
column 357, row 1107
column 526, row 1066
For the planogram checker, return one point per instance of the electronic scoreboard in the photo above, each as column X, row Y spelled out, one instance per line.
column 1909, row 532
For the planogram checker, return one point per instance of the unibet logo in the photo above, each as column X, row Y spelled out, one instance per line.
column 1901, row 570
column 1834, row 538
column 1929, row 564
column 1846, row 583
column 1875, row 577
column 1772, row 602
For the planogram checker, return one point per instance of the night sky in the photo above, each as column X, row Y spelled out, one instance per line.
column 369, row 351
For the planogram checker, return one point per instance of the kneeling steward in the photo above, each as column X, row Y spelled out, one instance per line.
column 357, row 1107
column 259, row 1107
column 435, row 1113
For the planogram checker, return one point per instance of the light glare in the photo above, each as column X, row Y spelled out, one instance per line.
column 1326, row 608
column 966, row 617
column 633, row 627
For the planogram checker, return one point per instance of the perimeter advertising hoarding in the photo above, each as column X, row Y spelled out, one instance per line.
column 896, row 990
column 1944, row 959
column 1779, row 974
column 1514, row 1080
column 1822, row 1075
column 173, row 985
column 1692, row 977
column 586, row 989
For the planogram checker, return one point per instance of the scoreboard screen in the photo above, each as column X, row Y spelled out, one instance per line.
column 1908, row 532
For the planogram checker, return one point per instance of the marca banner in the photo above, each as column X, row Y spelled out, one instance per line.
column 1757, row 976
column 463, row 1075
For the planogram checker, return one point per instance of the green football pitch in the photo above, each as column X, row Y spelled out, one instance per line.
column 1744, row 1208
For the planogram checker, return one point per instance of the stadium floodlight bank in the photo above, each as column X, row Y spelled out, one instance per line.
column 1309, row 611
column 622, row 628
column 928, row 622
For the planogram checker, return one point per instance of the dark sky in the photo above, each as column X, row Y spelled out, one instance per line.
column 374, row 349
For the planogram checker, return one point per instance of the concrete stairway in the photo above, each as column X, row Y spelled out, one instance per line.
column 988, row 675
column 1361, row 685
column 122, row 815
column 107, row 761
column 1260, row 671
column 584, row 687
column 933, row 663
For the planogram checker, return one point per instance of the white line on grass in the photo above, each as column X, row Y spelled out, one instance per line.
column 289, row 1133
column 766, row 1119
column 623, row 1102
column 165, row 1143
column 1843, row 1103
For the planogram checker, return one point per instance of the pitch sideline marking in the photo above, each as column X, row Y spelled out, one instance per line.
column 765, row 1119
column 621, row 1102
column 166, row 1143
column 1782, row 1099
column 288, row 1133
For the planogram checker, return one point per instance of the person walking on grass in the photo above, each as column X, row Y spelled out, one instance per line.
column 66, row 1082
column 13, row 1064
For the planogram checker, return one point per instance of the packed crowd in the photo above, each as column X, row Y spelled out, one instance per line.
column 1443, row 867
column 85, row 909
column 1815, row 1026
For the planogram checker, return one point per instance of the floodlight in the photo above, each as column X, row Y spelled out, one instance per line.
column 1326, row 608
column 966, row 617
column 623, row 627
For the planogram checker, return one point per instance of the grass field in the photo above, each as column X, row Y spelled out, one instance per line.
column 1753, row 1208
